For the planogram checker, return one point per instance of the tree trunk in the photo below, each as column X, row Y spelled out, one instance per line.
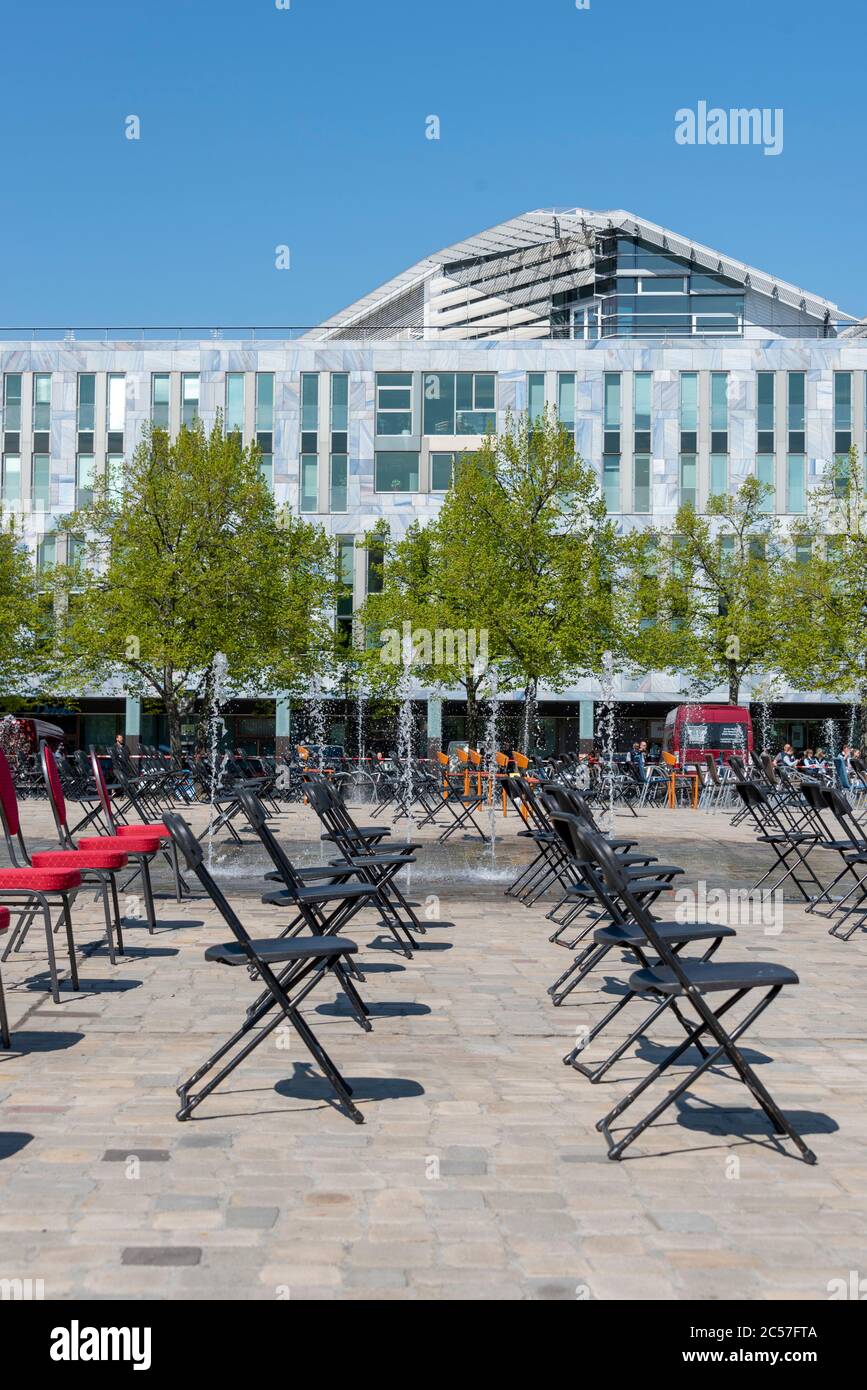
column 173, row 715
column 734, row 683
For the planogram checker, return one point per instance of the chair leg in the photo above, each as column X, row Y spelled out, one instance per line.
column 70, row 942
column 116, row 907
column 5, row 1035
column 148, row 896
column 109, row 925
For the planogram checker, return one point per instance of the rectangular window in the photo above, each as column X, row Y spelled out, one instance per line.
column 396, row 472
column 842, row 430
column 796, row 483
column 689, row 412
column 42, row 401
column 339, row 479
column 719, row 475
column 535, row 396
column 339, row 441
column 339, row 404
column 189, row 399
column 83, row 480
column 10, row 482
column 394, row 403
column 234, row 403
column 766, row 473
column 114, row 475
column 442, row 471
column 116, row 409
column 642, row 496
column 641, row 410
column 264, row 401
column 46, row 552
column 160, row 400
column 115, row 412
column 687, row 480
column 688, row 438
column 264, row 422
column 719, row 413
column 375, row 562
column 796, row 422
column 41, row 494
column 460, row 403
column 611, row 441
column 310, row 402
column 345, row 573
column 309, row 483
column 12, row 408
column 765, row 410
column 566, row 400
column 86, row 402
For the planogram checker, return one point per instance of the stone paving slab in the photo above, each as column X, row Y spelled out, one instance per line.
column 478, row 1173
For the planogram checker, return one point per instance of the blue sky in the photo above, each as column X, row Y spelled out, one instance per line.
column 306, row 127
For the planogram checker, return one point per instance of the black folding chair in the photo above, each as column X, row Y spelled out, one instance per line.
column 691, row 982
column 791, row 848
column 310, row 960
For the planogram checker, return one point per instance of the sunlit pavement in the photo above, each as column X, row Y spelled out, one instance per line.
column 478, row 1172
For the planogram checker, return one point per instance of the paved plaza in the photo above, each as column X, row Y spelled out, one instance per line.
column 478, row 1172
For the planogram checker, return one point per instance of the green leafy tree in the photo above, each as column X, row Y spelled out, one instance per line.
column 187, row 556
column 521, row 555
column 825, row 640
column 24, row 639
column 704, row 596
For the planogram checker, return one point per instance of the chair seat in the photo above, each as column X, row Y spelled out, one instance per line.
column 325, row 892
column 708, row 975
column 617, row 935
column 149, row 828
column 128, row 844
column 39, row 880
column 79, row 859
column 277, row 949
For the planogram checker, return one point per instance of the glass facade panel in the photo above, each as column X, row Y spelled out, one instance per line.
column 41, row 493
column 535, row 396
column 566, row 400
column 687, row 480
column 189, row 399
column 719, row 474
column 265, row 401
column 87, row 401
column 339, row 401
column 396, row 471
column 339, row 477
column 42, row 401
column 612, row 400
column 766, row 473
column 796, row 489
column 309, row 483
column 689, row 400
column 642, row 495
column 10, row 482
column 160, row 388
column 84, row 480
column 394, row 403
column 611, row 482
column 234, row 403
column 116, row 402
column 12, row 401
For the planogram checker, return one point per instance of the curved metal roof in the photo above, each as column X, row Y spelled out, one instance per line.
column 577, row 229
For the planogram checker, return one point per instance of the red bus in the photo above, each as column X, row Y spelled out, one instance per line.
column 693, row 730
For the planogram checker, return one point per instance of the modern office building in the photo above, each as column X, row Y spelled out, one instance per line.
column 679, row 370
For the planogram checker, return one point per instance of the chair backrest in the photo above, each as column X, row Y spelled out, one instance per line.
column 765, row 765
column 101, row 789
column 710, row 764
column 53, row 786
column 737, row 766
column 258, row 818
column 8, row 801
column 192, row 852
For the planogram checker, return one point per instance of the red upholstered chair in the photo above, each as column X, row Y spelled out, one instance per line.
column 125, row 832
column 140, row 850
column 99, row 866
column 5, row 1039
column 34, row 890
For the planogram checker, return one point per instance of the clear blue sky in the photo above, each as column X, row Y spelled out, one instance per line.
column 306, row 126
